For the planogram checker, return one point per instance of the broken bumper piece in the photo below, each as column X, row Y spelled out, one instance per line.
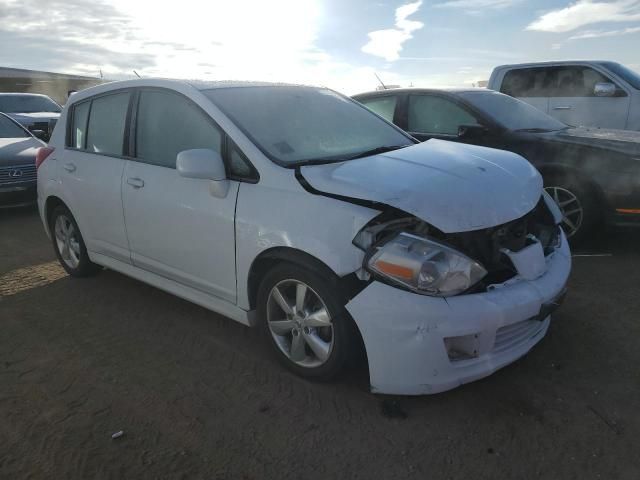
column 418, row 344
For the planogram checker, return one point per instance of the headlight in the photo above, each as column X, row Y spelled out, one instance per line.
column 425, row 266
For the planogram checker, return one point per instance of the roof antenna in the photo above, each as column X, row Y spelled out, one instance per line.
column 136, row 74
column 101, row 74
column 383, row 85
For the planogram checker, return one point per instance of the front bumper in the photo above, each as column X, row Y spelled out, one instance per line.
column 404, row 333
column 17, row 195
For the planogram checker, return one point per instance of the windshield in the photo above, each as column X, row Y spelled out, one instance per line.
column 8, row 129
column 628, row 75
column 298, row 125
column 512, row 113
column 27, row 104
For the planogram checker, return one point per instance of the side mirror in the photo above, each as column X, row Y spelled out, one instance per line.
column 205, row 164
column 471, row 131
column 604, row 90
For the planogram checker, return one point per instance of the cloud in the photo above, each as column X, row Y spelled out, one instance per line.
column 388, row 43
column 604, row 33
column 587, row 12
column 477, row 5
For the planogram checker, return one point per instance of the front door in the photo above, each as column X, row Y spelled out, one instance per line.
column 176, row 227
column 573, row 100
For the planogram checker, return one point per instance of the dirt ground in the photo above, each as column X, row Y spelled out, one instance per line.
column 199, row 396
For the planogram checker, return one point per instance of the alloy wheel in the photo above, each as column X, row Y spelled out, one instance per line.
column 300, row 323
column 67, row 241
column 571, row 208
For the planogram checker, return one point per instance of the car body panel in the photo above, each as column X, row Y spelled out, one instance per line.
column 456, row 188
column 197, row 219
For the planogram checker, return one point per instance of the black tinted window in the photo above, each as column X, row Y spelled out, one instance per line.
column 27, row 104
column 430, row 114
column 106, row 124
column 527, row 82
column 79, row 128
column 169, row 124
column 8, row 129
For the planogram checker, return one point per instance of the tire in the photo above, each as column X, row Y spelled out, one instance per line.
column 572, row 194
column 69, row 244
column 326, row 339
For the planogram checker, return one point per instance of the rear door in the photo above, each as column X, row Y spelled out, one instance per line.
column 572, row 99
column 176, row 227
column 91, row 171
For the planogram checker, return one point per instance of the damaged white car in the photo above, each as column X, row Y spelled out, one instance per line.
column 298, row 210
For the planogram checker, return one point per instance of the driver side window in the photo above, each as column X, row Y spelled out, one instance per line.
column 436, row 115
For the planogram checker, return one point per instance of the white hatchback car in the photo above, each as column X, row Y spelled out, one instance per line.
column 297, row 209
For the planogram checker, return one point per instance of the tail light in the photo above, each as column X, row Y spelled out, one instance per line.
column 42, row 154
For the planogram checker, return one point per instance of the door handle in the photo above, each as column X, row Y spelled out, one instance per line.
column 562, row 108
column 135, row 182
column 69, row 167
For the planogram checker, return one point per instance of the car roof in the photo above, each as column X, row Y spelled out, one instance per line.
column 449, row 90
column 22, row 94
column 552, row 63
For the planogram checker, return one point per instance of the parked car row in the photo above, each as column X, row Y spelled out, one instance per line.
column 298, row 210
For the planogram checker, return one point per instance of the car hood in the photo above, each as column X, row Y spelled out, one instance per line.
column 18, row 151
column 29, row 118
column 622, row 141
column 454, row 187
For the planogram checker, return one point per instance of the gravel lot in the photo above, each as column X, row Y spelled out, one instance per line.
column 199, row 396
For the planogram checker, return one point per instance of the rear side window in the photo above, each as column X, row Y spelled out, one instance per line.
column 168, row 124
column 429, row 114
column 79, row 129
column 107, row 120
column 527, row 82
column 383, row 106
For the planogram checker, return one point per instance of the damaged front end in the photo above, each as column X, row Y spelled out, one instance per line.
column 408, row 253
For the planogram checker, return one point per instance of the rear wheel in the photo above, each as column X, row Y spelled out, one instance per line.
column 304, row 321
column 69, row 245
column 578, row 204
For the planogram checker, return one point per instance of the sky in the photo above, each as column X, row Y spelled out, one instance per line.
column 341, row 44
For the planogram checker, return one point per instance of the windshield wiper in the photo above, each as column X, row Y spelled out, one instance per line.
column 377, row 150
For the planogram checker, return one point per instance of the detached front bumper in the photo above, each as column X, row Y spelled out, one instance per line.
column 419, row 345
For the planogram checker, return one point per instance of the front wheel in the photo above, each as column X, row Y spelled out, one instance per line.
column 304, row 321
column 578, row 204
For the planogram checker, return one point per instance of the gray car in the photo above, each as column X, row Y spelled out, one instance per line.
column 38, row 113
column 18, row 149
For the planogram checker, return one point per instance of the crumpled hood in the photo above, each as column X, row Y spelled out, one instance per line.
column 454, row 187
column 18, row 151
column 622, row 141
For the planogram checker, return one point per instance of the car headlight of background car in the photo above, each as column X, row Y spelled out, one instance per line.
column 425, row 266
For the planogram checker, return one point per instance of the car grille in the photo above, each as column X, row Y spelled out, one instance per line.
column 513, row 335
column 17, row 174
column 486, row 246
